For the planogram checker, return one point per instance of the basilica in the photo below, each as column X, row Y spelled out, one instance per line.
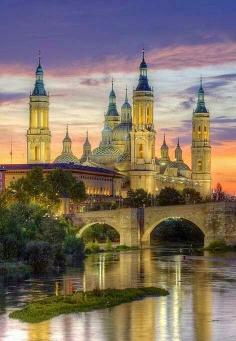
column 128, row 141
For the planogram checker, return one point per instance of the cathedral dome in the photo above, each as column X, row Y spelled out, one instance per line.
column 66, row 158
column 105, row 154
column 121, row 131
column 179, row 165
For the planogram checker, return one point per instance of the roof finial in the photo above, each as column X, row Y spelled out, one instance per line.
column 178, row 142
column 39, row 56
column 126, row 94
column 143, row 53
column 112, row 83
column 164, row 138
column 201, row 81
column 67, row 130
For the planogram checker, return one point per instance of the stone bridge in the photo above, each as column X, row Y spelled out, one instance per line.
column 216, row 221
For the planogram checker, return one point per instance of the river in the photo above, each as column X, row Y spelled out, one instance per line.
column 201, row 305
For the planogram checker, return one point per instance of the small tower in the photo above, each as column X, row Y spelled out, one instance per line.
column 142, row 174
column 126, row 110
column 112, row 117
column 38, row 134
column 67, row 155
column 86, row 149
column 178, row 153
column 164, row 151
column 201, row 147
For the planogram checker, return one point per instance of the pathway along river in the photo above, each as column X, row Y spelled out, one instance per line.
column 201, row 305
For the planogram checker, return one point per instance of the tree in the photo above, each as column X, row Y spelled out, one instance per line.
column 218, row 193
column 138, row 198
column 62, row 184
column 170, row 196
column 191, row 196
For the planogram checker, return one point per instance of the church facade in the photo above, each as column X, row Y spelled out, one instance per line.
column 128, row 141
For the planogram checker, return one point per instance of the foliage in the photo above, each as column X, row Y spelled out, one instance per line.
column 74, row 249
column 220, row 246
column 62, row 184
column 50, row 307
column 92, row 248
column 21, row 224
column 170, row 196
column 138, row 198
column 218, row 193
column 100, row 233
column 191, row 196
column 38, row 255
column 14, row 271
column 45, row 191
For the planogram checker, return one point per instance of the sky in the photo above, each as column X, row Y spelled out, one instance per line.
column 84, row 44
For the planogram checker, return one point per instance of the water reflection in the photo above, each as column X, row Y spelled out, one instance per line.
column 188, row 313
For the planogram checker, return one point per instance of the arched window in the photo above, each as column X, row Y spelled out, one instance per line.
column 199, row 165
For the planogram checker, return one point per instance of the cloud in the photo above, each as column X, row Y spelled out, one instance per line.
column 95, row 82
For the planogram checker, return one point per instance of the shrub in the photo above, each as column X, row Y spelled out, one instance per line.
column 74, row 249
column 39, row 255
column 92, row 248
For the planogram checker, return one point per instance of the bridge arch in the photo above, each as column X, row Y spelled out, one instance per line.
column 88, row 225
column 146, row 237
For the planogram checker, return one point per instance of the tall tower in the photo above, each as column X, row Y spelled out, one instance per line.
column 201, row 147
column 86, row 149
column 38, row 134
column 142, row 174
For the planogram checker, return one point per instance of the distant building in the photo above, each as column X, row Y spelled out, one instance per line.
column 98, row 181
column 127, row 145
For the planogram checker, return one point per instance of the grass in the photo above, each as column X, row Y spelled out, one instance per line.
column 220, row 246
column 47, row 308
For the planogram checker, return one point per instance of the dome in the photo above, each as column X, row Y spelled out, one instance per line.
column 105, row 154
column 126, row 105
column 66, row 158
column 121, row 131
column 179, row 165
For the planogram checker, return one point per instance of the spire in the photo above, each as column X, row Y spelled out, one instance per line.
column 112, row 110
column 86, row 142
column 178, row 152
column 39, row 89
column 67, row 142
column 143, row 80
column 126, row 95
column 201, row 107
column 164, row 150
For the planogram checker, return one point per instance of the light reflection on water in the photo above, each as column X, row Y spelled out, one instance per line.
column 201, row 304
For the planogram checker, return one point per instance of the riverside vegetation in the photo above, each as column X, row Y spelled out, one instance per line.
column 33, row 238
column 47, row 308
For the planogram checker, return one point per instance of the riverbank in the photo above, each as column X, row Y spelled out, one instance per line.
column 14, row 271
column 220, row 246
column 50, row 307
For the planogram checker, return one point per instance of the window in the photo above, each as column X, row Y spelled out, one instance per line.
column 140, row 151
column 199, row 165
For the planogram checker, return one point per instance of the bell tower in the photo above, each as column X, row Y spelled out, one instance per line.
column 38, row 134
column 142, row 173
column 201, row 147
